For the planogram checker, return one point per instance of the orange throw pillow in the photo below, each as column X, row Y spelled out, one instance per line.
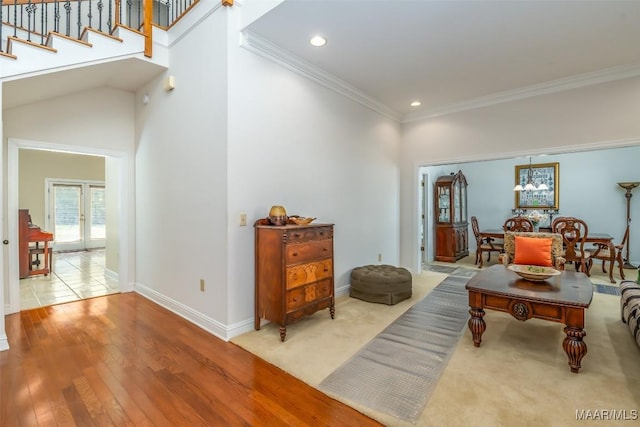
column 533, row 251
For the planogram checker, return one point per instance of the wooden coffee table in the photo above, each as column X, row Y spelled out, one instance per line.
column 561, row 299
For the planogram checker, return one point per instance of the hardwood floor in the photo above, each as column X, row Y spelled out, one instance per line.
column 122, row 360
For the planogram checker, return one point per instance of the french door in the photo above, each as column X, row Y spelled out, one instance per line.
column 75, row 212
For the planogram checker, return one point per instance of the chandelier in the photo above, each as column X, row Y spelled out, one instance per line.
column 530, row 186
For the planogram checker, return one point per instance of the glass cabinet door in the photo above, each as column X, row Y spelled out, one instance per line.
column 463, row 203
column 456, row 202
column 444, row 197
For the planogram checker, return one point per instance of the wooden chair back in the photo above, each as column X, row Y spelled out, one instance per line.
column 574, row 232
column 518, row 224
column 476, row 230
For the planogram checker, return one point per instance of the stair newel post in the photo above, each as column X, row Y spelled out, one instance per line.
column 117, row 15
column 148, row 30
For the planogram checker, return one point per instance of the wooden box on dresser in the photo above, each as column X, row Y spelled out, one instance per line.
column 294, row 272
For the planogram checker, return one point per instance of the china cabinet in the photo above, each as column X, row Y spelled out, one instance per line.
column 451, row 223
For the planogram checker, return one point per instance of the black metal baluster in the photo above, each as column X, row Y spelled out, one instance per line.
column 100, row 5
column 1, row 50
column 21, row 16
column 109, row 17
column 89, row 14
column 29, row 10
column 56, row 16
column 79, row 18
column 15, row 18
column 67, row 7
column 43, row 21
column 169, row 18
column 139, row 21
column 129, row 7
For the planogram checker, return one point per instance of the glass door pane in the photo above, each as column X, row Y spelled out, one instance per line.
column 67, row 203
column 97, row 229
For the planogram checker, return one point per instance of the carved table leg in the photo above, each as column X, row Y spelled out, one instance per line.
column 477, row 326
column 332, row 311
column 283, row 332
column 574, row 346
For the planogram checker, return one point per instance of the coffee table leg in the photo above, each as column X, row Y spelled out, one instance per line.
column 574, row 346
column 477, row 326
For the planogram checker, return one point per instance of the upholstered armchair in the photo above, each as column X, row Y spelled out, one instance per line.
column 530, row 250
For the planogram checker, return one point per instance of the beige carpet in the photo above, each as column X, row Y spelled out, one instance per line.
column 519, row 376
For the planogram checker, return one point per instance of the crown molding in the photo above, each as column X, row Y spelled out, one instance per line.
column 559, row 85
column 264, row 48
column 537, row 152
column 261, row 46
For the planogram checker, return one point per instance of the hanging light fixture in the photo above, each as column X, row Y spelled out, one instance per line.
column 529, row 186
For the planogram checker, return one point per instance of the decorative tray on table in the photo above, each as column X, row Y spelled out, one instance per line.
column 534, row 273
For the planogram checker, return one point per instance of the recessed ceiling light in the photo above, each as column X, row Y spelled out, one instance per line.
column 416, row 104
column 318, row 41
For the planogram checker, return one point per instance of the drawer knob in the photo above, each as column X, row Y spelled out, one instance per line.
column 295, row 254
column 296, row 234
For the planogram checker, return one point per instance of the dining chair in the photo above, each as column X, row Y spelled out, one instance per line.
column 484, row 244
column 574, row 233
column 519, row 224
column 610, row 252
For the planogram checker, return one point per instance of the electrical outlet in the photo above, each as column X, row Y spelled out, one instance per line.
column 243, row 219
column 379, row 257
column 201, row 285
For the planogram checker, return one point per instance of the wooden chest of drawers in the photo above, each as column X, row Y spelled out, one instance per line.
column 294, row 272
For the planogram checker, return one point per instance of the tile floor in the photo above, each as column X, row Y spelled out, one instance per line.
column 76, row 276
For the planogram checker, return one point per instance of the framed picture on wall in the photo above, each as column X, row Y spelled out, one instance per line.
column 543, row 173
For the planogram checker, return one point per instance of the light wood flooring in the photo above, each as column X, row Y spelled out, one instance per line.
column 122, row 360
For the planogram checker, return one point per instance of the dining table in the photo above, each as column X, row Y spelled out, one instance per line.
column 595, row 238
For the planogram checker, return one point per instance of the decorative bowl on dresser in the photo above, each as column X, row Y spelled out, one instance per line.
column 294, row 272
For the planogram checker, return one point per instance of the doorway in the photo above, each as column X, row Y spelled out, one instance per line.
column 117, row 180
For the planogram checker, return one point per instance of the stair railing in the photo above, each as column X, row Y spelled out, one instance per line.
column 32, row 20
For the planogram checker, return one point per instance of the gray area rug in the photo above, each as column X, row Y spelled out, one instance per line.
column 396, row 372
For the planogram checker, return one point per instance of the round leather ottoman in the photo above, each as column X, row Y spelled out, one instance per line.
column 383, row 284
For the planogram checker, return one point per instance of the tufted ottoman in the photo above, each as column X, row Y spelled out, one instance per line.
column 630, row 307
column 384, row 284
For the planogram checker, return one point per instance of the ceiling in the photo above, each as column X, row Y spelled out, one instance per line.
column 454, row 54
column 451, row 55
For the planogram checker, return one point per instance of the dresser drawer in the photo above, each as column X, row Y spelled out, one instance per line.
column 308, row 251
column 301, row 296
column 302, row 274
column 317, row 233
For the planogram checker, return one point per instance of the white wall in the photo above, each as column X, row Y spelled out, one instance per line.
column 295, row 143
column 574, row 120
column 181, row 178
